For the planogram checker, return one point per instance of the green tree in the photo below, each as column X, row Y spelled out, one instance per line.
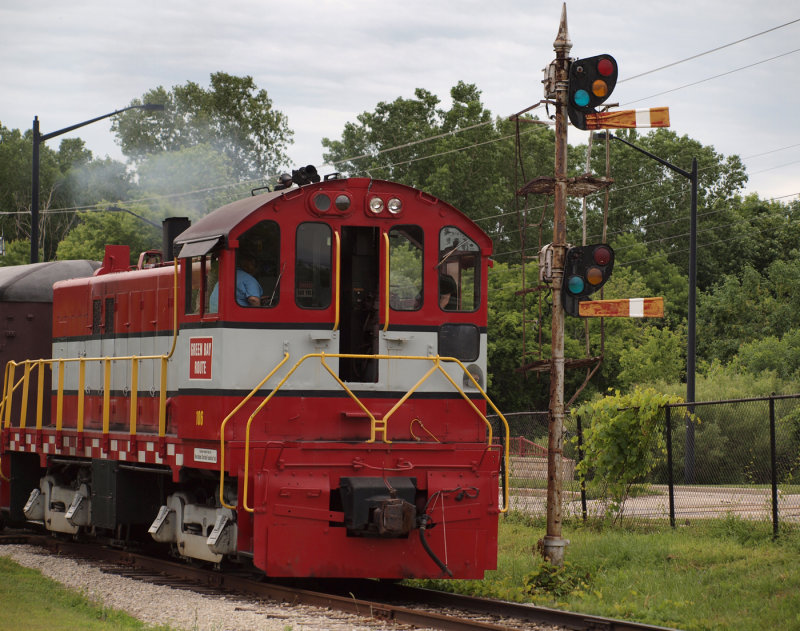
column 16, row 253
column 96, row 230
column 68, row 178
column 749, row 306
column 653, row 202
column 780, row 355
column 510, row 389
column 659, row 357
column 99, row 180
column 624, row 440
column 460, row 154
column 233, row 116
column 746, row 231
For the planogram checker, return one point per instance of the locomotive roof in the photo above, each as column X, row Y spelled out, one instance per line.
column 207, row 232
column 215, row 227
column 34, row 282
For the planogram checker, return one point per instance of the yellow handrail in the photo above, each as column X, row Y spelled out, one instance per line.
column 60, row 398
column 386, row 280
column 39, row 394
column 134, row 394
column 25, row 381
column 9, row 386
column 8, row 391
column 106, row 395
column 228, row 418
column 376, row 424
column 338, row 282
column 29, row 364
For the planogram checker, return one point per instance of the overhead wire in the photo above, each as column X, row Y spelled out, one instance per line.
column 708, row 52
column 477, row 125
column 717, row 76
column 662, row 253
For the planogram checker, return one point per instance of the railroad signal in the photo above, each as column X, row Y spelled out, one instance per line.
column 591, row 82
column 586, row 269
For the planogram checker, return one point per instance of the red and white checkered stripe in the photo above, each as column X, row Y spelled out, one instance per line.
column 628, row 119
column 146, row 451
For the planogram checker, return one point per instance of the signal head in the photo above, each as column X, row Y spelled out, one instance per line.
column 586, row 269
column 591, row 82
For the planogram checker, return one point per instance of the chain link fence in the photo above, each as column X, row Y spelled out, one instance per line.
column 738, row 457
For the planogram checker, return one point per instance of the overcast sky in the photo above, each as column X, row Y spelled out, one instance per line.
column 325, row 61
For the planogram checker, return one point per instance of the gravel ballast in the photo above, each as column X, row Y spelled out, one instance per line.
column 183, row 609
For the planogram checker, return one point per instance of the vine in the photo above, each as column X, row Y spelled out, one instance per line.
column 624, row 440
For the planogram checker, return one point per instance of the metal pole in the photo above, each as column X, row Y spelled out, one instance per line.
column 773, row 468
column 35, row 193
column 39, row 138
column 553, row 545
column 670, row 477
column 584, row 511
column 691, row 341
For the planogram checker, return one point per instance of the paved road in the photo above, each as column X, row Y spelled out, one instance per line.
column 690, row 503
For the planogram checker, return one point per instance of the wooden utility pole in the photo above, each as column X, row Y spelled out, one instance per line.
column 553, row 544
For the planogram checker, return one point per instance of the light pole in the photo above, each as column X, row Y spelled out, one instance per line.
column 690, row 354
column 40, row 138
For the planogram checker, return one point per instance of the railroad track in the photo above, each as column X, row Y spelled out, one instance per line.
column 370, row 599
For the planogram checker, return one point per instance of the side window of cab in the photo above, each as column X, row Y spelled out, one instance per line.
column 258, row 266
column 202, row 277
column 459, row 271
column 405, row 268
column 313, row 267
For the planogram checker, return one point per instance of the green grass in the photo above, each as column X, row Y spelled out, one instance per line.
column 33, row 602
column 713, row 574
column 720, row 574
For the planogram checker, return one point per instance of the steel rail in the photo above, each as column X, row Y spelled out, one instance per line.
column 365, row 598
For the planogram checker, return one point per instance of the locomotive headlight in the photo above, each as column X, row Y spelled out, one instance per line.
column 322, row 203
column 394, row 205
column 342, row 202
column 477, row 375
column 376, row 205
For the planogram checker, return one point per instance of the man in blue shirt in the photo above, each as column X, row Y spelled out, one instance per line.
column 248, row 289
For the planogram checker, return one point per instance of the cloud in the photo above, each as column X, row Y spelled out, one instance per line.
column 326, row 61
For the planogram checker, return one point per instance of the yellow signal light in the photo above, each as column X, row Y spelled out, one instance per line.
column 600, row 88
column 594, row 275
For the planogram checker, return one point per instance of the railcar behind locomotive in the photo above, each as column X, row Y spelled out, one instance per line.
column 303, row 388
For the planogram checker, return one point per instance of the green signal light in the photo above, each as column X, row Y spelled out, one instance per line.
column 581, row 98
column 575, row 284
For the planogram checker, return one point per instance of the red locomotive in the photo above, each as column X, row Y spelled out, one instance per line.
column 303, row 386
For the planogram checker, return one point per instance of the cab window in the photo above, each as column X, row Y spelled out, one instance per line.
column 210, row 281
column 313, row 266
column 459, row 271
column 202, row 274
column 258, row 266
column 405, row 268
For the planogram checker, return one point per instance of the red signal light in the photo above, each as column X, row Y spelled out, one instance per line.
column 605, row 67
column 601, row 255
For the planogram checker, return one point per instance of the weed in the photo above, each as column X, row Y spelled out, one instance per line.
column 557, row 581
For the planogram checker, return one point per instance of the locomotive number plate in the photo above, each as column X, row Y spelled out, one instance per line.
column 205, row 455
